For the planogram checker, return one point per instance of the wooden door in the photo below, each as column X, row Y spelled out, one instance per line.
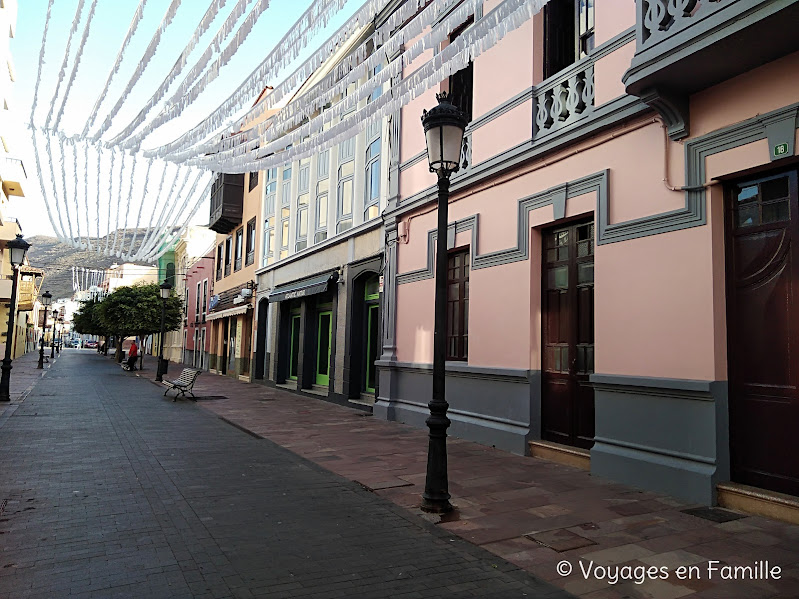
column 567, row 399
column 763, row 331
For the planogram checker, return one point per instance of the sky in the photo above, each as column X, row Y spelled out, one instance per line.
column 109, row 26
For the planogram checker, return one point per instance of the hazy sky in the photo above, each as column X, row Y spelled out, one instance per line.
column 109, row 26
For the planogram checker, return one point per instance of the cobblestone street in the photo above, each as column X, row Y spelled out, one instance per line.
column 110, row 490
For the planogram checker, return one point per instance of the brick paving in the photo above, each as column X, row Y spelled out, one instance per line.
column 531, row 512
column 107, row 489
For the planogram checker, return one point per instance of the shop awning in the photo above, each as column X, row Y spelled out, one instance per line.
column 312, row 286
column 229, row 312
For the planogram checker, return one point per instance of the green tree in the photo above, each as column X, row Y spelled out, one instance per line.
column 88, row 320
column 136, row 310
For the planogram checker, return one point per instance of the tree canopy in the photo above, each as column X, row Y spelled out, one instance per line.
column 136, row 310
column 87, row 320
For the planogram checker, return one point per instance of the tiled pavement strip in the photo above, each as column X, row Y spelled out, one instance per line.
column 501, row 497
column 108, row 489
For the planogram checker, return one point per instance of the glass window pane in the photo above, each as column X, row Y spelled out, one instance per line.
column 302, row 223
column 776, row 212
column 774, row 189
column 748, row 216
column 371, row 212
column 321, row 212
column 344, row 225
column 286, row 173
column 747, row 194
column 323, row 186
column 284, row 239
column 346, row 197
column 374, row 181
column 346, row 169
column 558, row 278
column 303, row 200
column 585, row 273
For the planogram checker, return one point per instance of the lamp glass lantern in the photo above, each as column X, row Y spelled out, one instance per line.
column 165, row 289
column 17, row 247
column 47, row 299
column 443, row 129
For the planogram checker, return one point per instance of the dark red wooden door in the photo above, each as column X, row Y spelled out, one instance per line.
column 567, row 402
column 763, row 331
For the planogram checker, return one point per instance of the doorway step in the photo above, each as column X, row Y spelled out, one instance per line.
column 562, row 454
column 366, row 399
column 761, row 502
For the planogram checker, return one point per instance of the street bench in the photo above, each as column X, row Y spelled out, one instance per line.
column 184, row 383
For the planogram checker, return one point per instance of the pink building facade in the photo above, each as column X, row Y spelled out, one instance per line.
column 197, row 331
column 621, row 268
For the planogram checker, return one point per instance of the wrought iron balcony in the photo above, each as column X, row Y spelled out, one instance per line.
column 684, row 46
column 227, row 203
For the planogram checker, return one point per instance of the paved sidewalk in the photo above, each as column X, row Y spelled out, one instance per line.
column 108, row 489
column 531, row 512
column 24, row 375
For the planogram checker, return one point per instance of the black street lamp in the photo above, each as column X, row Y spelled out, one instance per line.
column 60, row 332
column 47, row 299
column 52, row 337
column 165, row 289
column 443, row 128
column 17, row 249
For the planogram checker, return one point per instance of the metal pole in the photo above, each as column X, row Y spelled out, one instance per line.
column 40, row 365
column 436, row 490
column 52, row 342
column 160, row 376
column 5, row 379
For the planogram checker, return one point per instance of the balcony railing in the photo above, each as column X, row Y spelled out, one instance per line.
column 237, row 266
column 564, row 98
column 227, row 269
column 660, row 19
column 250, row 258
column 218, row 273
column 685, row 46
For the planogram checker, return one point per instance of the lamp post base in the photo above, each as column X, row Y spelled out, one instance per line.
column 5, row 380
column 40, row 365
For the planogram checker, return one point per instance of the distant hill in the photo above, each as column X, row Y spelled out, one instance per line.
column 57, row 260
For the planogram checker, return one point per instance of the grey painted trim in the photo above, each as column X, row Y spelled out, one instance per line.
column 462, row 368
column 657, row 450
column 609, row 114
column 422, row 407
column 413, row 161
column 598, row 182
column 683, row 388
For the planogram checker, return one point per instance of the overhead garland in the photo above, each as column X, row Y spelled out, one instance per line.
column 136, row 219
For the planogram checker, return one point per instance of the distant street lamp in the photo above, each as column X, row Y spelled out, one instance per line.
column 60, row 332
column 17, row 249
column 165, row 289
column 47, row 299
column 443, row 129
column 52, row 337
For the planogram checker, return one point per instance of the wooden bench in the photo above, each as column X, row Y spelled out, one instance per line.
column 184, row 383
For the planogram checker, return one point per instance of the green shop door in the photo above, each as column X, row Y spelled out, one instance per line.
column 323, row 349
column 294, row 357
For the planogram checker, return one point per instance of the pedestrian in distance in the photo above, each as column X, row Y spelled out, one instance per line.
column 132, row 356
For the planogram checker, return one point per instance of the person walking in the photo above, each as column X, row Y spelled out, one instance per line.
column 133, row 355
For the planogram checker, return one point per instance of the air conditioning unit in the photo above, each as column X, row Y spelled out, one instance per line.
column 246, row 293
column 238, row 299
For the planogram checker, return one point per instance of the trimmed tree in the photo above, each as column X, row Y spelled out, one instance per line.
column 88, row 321
column 136, row 310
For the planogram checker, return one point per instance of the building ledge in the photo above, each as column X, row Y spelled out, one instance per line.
column 761, row 502
column 561, row 454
